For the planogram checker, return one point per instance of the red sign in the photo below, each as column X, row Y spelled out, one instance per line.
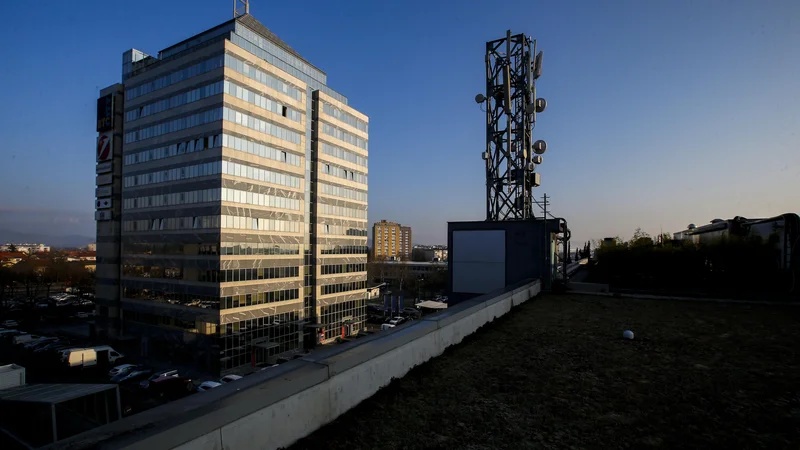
column 104, row 152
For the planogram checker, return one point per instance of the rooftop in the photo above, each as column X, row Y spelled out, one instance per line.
column 52, row 393
column 555, row 373
column 250, row 22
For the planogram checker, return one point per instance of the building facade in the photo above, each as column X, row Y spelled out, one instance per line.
column 244, row 201
column 408, row 272
column 429, row 253
column 391, row 241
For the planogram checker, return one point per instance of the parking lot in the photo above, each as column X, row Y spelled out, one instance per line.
column 54, row 340
column 380, row 318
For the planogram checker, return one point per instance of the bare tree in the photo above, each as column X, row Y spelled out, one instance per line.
column 6, row 286
column 402, row 273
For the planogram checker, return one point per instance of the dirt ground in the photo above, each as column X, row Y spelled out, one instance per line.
column 557, row 374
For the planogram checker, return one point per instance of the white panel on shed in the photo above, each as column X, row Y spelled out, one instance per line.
column 479, row 261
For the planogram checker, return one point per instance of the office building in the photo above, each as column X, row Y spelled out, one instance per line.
column 243, row 191
column 391, row 241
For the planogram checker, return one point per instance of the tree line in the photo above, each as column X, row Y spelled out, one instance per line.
column 736, row 264
column 37, row 275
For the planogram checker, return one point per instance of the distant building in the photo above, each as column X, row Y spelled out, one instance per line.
column 406, row 271
column 390, row 241
column 429, row 253
column 8, row 259
column 785, row 228
column 91, row 247
column 80, row 255
column 25, row 248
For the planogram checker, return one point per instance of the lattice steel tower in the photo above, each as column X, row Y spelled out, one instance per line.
column 511, row 107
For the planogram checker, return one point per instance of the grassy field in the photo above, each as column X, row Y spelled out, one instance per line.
column 557, row 374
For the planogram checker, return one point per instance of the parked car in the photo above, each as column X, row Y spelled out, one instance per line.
column 229, row 378
column 33, row 345
column 135, row 375
column 121, row 369
column 412, row 312
column 386, row 326
column 82, row 315
column 25, row 338
column 10, row 323
column 159, row 374
column 53, row 346
column 169, row 387
column 207, row 385
column 397, row 321
column 8, row 335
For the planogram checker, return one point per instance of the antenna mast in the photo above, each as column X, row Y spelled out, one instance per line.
column 240, row 8
column 512, row 67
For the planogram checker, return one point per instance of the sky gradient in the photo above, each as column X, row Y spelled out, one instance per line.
column 659, row 113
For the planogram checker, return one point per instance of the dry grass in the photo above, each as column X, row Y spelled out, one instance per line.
column 556, row 374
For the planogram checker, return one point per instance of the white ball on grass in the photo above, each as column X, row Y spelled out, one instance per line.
column 627, row 334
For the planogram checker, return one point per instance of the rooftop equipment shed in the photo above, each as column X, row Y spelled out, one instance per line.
column 41, row 414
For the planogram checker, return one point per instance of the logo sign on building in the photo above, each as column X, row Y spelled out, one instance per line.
column 102, row 191
column 105, row 149
column 102, row 215
column 105, row 178
column 103, row 203
column 104, row 167
column 105, row 113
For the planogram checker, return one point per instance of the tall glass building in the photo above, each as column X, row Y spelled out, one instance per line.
column 243, row 191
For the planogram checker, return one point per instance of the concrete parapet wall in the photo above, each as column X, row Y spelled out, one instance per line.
column 276, row 407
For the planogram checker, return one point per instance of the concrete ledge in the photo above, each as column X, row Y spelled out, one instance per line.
column 276, row 407
column 359, row 354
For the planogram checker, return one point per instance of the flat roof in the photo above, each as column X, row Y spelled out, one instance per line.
column 418, row 263
column 430, row 304
column 257, row 27
column 52, row 393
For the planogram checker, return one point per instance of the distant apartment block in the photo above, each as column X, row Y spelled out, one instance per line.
column 25, row 248
column 390, row 240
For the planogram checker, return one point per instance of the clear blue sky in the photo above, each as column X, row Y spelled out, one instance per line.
column 659, row 113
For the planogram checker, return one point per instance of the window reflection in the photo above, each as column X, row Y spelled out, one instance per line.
column 342, row 287
column 329, row 269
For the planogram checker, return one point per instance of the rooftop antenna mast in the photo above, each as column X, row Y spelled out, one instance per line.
column 511, row 154
column 240, row 8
